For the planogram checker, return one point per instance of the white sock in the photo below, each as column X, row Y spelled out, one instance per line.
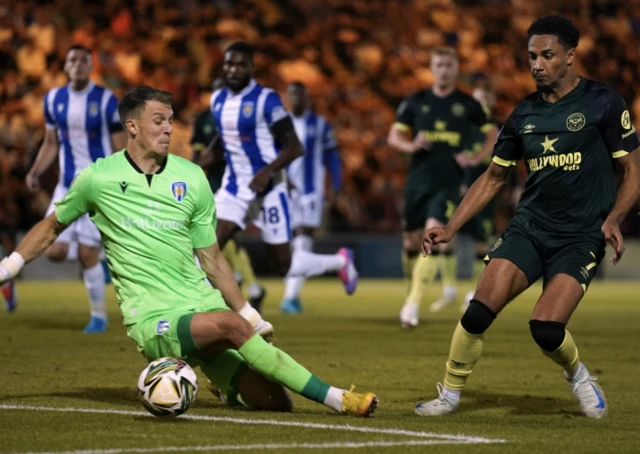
column 94, row 282
column 293, row 285
column 450, row 292
column 451, row 395
column 72, row 252
column 581, row 370
column 334, row 399
column 308, row 264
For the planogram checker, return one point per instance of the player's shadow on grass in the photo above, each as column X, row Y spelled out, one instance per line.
column 44, row 324
column 114, row 396
column 521, row 404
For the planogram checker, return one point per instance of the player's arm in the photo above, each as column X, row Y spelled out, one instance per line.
column 507, row 152
column 42, row 235
column 331, row 158
column 46, row 155
column 622, row 143
column 283, row 133
column 117, row 133
column 202, row 230
column 481, row 118
column 400, row 134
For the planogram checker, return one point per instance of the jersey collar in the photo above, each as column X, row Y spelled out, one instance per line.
column 85, row 90
column 245, row 90
column 139, row 170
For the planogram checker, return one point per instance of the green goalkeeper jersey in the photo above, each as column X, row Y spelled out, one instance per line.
column 150, row 225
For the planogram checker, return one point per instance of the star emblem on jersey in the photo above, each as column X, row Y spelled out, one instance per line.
column 440, row 125
column 179, row 190
column 123, row 186
column 575, row 122
column 547, row 145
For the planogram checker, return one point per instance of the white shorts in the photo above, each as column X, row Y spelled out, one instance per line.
column 83, row 231
column 269, row 213
column 306, row 209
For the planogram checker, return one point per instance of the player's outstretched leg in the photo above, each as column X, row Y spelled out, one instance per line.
column 550, row 316
column 9, row 293
column 307, row 264
column 93, row 276
column 500, row 283
column 214, row 332
column 291, row 303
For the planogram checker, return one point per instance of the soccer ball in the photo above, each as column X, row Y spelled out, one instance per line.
column 167, row 387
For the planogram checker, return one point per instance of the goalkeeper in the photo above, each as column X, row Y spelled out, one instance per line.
column 154, row 210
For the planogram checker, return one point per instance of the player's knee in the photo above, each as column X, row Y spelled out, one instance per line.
column 281, row 264
column 57, row 252
column 88, row 256
column 548, row 335
column 477, row 318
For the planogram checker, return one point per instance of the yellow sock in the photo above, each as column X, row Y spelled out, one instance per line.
column 245, row 268
column 230, row 253
column 465, row 352
column 448, row 270
column 408, row 262
column 424, row 273
column 566, row 355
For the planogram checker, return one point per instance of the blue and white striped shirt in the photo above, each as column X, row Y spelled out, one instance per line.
column 84, row 121
column 244, row 120
column 307, row 173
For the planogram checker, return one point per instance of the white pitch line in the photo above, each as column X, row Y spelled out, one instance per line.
column 270, row 422
column 344, row 445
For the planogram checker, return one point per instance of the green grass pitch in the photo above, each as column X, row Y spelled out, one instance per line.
column 63, row 391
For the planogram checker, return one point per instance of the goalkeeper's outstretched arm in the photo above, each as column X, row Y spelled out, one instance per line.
column 37, row 240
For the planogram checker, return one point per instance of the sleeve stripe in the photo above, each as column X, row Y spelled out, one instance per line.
column 486, row 127
column 504, row 162
column 619, row 154
column 401, row 126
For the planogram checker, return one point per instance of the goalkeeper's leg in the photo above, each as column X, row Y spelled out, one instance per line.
column 214, row 332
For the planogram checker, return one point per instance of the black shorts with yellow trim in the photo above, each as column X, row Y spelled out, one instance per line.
column 542, row 253
column 420, row 206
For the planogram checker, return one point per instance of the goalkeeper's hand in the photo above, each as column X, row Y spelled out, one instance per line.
column 262, row 327
column 10, row 267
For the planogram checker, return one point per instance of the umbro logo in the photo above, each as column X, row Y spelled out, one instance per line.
column 123, row 186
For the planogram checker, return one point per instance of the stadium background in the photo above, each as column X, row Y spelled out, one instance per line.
column 359, row 59
column 63, row 390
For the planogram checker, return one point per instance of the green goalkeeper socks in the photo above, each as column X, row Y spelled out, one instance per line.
column 279, row 367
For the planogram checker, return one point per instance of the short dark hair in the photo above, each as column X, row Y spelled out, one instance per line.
column 241, row 46
column 298, row 84
column 559, row 26
column 136, row 98
column 79, row 47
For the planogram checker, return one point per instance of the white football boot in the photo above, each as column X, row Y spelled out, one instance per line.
column 446, row 403
column 589, row 393
column 409, row 315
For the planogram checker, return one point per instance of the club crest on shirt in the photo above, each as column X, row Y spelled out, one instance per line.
column 179, row 190
column 247, row 109
column 93, row 109
column 575, row 122
column 457, row 109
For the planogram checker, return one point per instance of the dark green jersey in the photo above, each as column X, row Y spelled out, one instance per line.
column 473, row 144
column 569, row 147
column 204, row 130
column 444, row 122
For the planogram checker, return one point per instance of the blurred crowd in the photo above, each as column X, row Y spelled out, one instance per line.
column 358, row 57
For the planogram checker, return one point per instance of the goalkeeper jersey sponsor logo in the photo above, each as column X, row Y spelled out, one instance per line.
column 149, row 223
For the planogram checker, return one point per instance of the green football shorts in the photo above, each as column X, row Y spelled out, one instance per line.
column 168, row 333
